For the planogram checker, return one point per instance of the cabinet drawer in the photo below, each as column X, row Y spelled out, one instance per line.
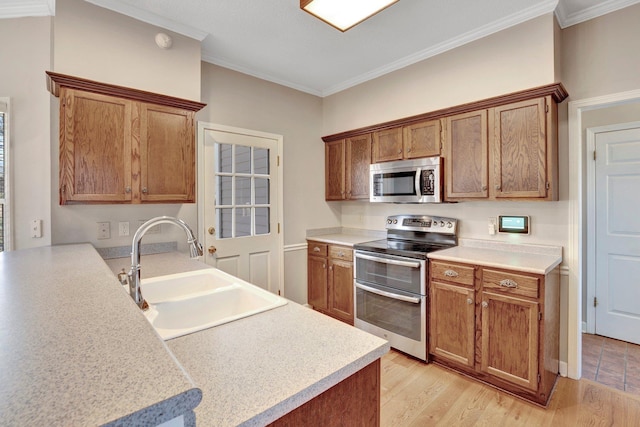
column 516, row 284
column 316, row 248
column 341, row 252
column 456, row 273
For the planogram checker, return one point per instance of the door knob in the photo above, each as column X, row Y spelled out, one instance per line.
column 212, row 250
column 211, row 230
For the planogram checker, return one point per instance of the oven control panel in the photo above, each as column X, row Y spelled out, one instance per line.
column 423, row 223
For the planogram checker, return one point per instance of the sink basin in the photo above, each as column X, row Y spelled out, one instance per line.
column 184, row 303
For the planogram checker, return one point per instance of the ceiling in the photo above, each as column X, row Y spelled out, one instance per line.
column 276, row 41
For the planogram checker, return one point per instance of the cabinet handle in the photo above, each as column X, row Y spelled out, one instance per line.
column 508, row 283
column 498, row 187
column 485, row 304
column 316, row 249
column 451, row 273
column 324, row 265
column 341, row 254
column 469, row 301
column 484, row 188
column 331, row 268
column 144, row 190
column 399, row 151
column 127, row 190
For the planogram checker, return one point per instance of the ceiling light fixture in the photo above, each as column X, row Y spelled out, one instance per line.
column 344, row 14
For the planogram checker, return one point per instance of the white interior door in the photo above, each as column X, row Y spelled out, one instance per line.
column 617, row 216
column 241, row 212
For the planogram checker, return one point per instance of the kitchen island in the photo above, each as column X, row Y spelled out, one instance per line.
column 76, row 350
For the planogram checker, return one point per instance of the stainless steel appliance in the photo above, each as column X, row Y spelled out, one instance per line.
column 391, row 280
column 406, row 181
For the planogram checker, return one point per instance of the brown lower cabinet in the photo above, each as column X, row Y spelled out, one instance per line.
column 330, row 280
column 354, row 401
column 499, row 326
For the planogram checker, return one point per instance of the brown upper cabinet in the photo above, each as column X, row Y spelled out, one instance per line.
column 120, row 145
column 407, row 142
column 505, row 152
column 347, row 168
column 501, row 148
column 466, row 148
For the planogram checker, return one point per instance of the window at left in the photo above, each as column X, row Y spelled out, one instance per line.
column 4, row 146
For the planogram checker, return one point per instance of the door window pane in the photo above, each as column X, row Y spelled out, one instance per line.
column 262, row 221
column 243, row 159
column 225, row 184
column 224, row 158
column 243, row 191
column 262, row 191
column 243, row 222
column 261, row 161
column 225, row 223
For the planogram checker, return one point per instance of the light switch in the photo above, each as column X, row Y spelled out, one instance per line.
column 104, row 230
column 492, row 225
column 36, row 228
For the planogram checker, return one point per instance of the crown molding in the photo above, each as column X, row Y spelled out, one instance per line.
column 568, row 19
column 517, row 18
column 21, row 8
column 150, row 18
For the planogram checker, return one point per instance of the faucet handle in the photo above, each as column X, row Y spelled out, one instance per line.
column 123, row 277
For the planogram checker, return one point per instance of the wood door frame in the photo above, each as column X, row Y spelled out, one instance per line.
column 205, row 126
column 591, row 217
column 577, row 219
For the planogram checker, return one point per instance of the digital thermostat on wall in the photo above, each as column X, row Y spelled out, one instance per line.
column 518, row 224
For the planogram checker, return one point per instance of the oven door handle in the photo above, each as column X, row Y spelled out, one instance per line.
column 412, row 264
column 414, row 300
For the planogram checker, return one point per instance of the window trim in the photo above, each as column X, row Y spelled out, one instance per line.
column 5, row 107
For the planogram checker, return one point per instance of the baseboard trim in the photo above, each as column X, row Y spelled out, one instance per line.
column 563, row 367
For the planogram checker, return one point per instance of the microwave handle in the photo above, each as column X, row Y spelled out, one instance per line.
column 417, row 183
column 414, row 300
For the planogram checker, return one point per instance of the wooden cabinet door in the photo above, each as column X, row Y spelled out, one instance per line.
column 510, row 341
column 358, row 150
column 466, row 169
column 95, row 148
column 452, row 323
column 387, row 145
column 317, row 282
column 519, row 149
column 341, row 290
column 167, row 154
column 422, row 139
column 334, row 163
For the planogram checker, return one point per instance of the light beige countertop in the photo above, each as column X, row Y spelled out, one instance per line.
column 538, row 259
column 76, row 350
column 344, row 236
column 254, row 370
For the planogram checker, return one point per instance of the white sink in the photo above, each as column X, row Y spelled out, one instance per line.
column 180, row 304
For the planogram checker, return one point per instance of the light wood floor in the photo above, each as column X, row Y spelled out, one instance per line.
column 418, row 394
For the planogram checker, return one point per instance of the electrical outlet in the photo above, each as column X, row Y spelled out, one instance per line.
column 123, row 228
column 104, row 230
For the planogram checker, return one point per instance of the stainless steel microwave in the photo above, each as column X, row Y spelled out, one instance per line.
column 407, row 181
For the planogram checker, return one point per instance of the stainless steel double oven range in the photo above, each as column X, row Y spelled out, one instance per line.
column 391, row 280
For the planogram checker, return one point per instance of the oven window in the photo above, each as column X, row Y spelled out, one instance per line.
column 391, row 275
column 399, row 317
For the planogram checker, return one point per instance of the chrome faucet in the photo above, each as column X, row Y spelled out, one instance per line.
column 195, row 250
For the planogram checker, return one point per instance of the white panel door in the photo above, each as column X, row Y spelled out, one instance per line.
column 241, row 204
column 618, row 234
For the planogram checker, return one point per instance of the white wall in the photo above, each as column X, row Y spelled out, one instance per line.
column 25, row 53
column 98, row 44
